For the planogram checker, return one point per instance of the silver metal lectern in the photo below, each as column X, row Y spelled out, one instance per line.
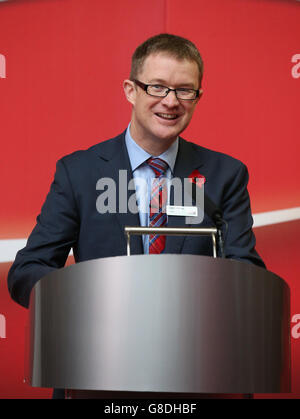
column 161, row 323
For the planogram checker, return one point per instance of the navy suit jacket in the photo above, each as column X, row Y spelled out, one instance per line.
column 69, row 218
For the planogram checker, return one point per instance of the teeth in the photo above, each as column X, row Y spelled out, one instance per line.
column 167, row 116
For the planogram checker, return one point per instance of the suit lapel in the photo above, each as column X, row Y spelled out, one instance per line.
column 114, row 158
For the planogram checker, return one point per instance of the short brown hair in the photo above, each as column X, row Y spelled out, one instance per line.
column 176, row 46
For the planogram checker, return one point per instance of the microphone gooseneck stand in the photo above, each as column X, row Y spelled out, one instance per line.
column 218, row 220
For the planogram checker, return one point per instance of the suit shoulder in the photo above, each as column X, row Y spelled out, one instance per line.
column 217, row 157
column 102, row 148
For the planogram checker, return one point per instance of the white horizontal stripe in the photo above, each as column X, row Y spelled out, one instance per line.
column 9, row 248
column 275, row 217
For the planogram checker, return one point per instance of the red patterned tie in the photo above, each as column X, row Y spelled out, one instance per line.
column 158, row 199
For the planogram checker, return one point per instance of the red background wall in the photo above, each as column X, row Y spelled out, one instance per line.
column 65, row 63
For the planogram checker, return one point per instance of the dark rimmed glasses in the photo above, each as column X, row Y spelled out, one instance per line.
column 157, row 90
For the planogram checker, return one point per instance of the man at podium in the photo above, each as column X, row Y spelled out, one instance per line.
column 164, row 88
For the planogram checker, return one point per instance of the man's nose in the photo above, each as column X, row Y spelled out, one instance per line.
column 171, row 99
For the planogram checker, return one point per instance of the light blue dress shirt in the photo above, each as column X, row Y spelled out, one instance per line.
column 141, row 170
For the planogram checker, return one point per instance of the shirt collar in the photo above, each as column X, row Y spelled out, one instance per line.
column 137, row 155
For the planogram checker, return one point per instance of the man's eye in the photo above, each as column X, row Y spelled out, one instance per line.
column 185, row 91
column 158, row 88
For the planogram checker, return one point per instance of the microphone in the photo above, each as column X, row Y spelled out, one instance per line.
column 210, row 208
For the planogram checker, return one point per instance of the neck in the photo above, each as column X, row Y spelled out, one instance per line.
column 153, row 145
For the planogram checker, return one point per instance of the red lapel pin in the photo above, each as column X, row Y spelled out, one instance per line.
column 196, row 178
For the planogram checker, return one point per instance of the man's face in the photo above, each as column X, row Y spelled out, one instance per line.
column 162, row 119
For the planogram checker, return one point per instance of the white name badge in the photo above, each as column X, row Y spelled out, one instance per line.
column 182, row 211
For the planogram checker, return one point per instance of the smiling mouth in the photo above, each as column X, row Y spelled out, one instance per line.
column 167, row 116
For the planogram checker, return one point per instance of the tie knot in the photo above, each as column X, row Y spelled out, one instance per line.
column 158, row 166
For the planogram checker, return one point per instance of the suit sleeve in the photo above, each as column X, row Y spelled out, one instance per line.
column 239, row 237
column 50, row 242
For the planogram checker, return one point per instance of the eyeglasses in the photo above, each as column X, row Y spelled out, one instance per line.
column 162, row 91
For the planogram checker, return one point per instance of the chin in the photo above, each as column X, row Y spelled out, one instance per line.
column 167, row 134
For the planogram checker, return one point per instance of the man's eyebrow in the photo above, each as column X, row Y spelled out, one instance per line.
column 157, row 81
column 164, row 83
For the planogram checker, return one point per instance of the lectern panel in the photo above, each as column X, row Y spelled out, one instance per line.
column 161, row 323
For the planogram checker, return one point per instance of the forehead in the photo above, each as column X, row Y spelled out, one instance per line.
column 165, row 68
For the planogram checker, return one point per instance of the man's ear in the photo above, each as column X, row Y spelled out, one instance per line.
column 130, row 91
column 199, row 97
